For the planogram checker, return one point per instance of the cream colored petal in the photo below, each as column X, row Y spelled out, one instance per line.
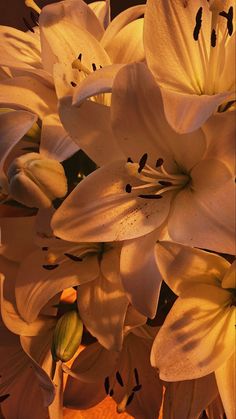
column 188, row 399
column 172, row 54
column 13, row 126
column 226, row 381
column 11, row 316
column 22, row 48
column 140, row 275
column 90, row 127
column 127, row 45
column 102, row 11
column 28, row 93
column 55, row 143
column 229, row 280
column 63, row 38
column 46, row 279
column 103, row 304
column 182, row 266
column 197, row 336
column 100, row 81
column 187, row 112
column 106, row 212
column 120, row 22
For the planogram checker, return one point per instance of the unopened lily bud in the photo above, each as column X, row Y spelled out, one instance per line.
column 36, row 181
column 67, row 336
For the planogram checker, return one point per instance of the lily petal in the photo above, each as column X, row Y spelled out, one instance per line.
column 106, row 212
column 80, row 395
column 55, row 142
column 61, row 26
column 90, row 127
column 35, row 290
column 140, row 275
column 182, row 266
column 100, row 81
column 205, row 215
column 197, row 336
column 225, row 377
column 229, row 280
column 103, row 303
column 28, row 93
column 186, row 113
column 198, row 394
column 13, row 126
column 102, row 10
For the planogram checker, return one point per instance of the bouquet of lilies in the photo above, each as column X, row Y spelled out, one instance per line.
column 117, row 210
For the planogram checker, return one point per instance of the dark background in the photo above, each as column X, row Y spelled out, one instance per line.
column 12, row 11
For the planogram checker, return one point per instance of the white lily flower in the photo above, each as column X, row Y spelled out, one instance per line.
column 190, row 49
column 126, row 376
column 198, row 335
column 184, row 181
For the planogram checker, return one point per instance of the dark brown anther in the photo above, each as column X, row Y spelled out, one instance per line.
column 159, row 162
column 94, row 66
column 73, row 257
column 28, row 25
column 150, row 196
column 119, row 379
column 50, row 267
column 80, row 56
column 198, row 25
column 73, row 84
column 165, row 183
column 107, row 385
column 213, row 38
column 128, row 188
column 130, row 398
column 4, row 397
column 142, row 162
column 229, row 17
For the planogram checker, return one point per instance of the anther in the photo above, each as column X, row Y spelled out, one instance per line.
column 73, row 84
column 229, row 17
column 137, row 388
column 28, row 25
column 119, row 379
column 198, row 25
column 136, row 376
column 73, row 257
column 129, row 160
column 159, row 162
column 213, row 38
column 34, row 18
column 142, row 162
column 150, row 196
column 107, row 385
column 80, row 56
column 50, row 267
column 94, row 66
column 128, row 188
column 130, row 398
column 111, row 393
column 45, row 248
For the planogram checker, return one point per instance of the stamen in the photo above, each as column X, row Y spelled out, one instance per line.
column 28, row 25
column 142, row 162
column 198, row 25
column 137, row 388
column 33, row 5
column 80, row 56
column 128, row 188
column 73, row 84
column 136, row 376
column 107, row 385
column 229, row 17
column 213, row 38
column 111, row 392
column 129, row 160
column 73, row 257
column 94, row 66
column 34, row 18
column 150, row 196
column 159, row 162
column 130, row 398
column 119, row 379
column 50, row 267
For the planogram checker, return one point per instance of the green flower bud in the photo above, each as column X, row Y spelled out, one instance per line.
column 67, row 336
column 36, row 181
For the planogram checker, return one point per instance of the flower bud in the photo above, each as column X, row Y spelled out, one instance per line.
column 36, row 181
column 67, row 336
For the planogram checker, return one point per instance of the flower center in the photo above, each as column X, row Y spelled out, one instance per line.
column 155, row 182
column 221, row 30
column 130, row 388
